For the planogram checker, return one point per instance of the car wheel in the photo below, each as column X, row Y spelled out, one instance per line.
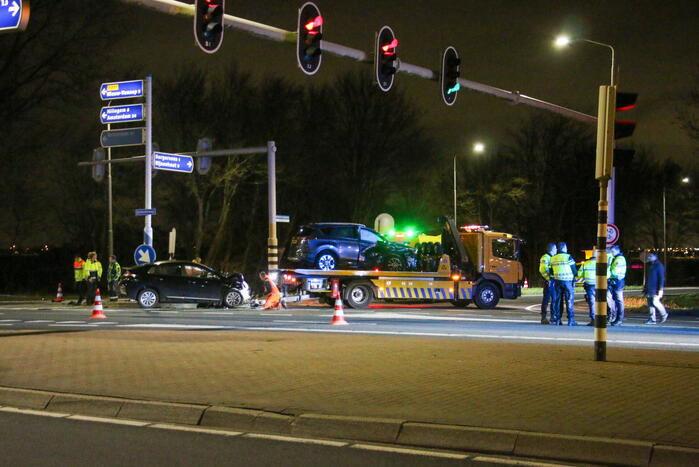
column 233, row 299
column 487, row 296
column 359, row 295
column 394, row 263
column 326, row 261
column 147, row 298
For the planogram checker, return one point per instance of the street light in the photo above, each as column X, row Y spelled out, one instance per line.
column 564, row 41
column 478, row 148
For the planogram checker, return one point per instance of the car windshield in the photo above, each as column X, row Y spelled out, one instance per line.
column 506, row 248
column 368, row 235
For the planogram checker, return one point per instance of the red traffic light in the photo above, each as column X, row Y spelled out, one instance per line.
column 390, row 49
column 316, row 23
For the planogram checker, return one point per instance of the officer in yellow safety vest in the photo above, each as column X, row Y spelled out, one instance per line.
column 616, row 272
column 92, row 269
column 549, row 296
column 563, row 267
column 79, row 278
column 588, row 274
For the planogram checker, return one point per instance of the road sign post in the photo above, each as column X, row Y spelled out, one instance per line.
column 14, row 15
column 148, row 229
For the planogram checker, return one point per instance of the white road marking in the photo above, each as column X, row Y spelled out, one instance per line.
column 10, row 320
column 290, row 439
column 500, row 460
column 478, row 336
column 171, row 326
column 194, row 429
column 414, row 452
column 275, row 314
column 295, row 322
column 70, row 322
column 106, row 322
column 6, row 324
column 40, row 321
column 41, row 413
column 163, row 312
column 114, row 421
column 218, row 313
column 432, row 317
column 74, row 325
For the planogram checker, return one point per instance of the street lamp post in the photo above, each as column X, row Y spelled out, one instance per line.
column 478, row 148
column 603, row 173
column 684, row 180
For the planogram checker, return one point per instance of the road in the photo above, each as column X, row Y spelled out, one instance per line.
column 49, row 439
column 512, row 321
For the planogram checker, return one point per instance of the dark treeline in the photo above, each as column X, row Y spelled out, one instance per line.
column 346, row 152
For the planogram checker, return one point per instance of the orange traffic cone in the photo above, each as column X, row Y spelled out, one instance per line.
column 59, row 294
column 339, row 315
column 526, row 284
column 97, row 311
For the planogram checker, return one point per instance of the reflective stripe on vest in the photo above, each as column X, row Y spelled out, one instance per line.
column 617, row 267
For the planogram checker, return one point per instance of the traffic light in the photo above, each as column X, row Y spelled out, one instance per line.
column 624, row 128
column 203, row 164
column 451, row 64
column 98, row 154
column 308, row 39
column 208, row 24
column 385, row 58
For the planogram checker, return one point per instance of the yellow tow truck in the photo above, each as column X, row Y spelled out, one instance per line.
column 473, row 265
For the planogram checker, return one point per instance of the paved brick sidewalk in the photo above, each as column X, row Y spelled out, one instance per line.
column 640, row 394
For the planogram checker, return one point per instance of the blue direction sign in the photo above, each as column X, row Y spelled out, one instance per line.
column 13, row 15
column 145, row 212
column 126, row 137
column 144, row 254
column 172, row 162
column 121, row 113
column 121, row 89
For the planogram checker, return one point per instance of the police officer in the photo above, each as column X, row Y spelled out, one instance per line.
column 563, row 266
column 549, row 296
column 588, row 274
column 113, row 275
column 79, row 277
column 92, row 269
column 616, row 272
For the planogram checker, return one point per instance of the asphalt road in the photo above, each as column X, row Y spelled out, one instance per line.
column 512, row 321
column 56, row 440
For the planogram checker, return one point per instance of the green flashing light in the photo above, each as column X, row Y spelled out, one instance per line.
column 391, row 233
column 410, row 233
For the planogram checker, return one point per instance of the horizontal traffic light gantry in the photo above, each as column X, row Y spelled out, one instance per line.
column 385, row 57
column 448, row 79
column 309, row 34
column 208, row 24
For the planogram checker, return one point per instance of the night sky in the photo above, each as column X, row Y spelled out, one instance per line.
column 507, row 44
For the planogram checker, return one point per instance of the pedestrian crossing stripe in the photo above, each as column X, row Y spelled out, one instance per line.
column 433, row 293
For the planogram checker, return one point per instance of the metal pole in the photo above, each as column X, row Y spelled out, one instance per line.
column 603, row 172
column 148, row 229
column 664, row 234
column 110, row 226
column 455, row 190
column 611, row 197
column 272, row 248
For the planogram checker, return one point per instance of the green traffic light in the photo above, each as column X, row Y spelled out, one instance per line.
column 391, row 233
column 410, row 233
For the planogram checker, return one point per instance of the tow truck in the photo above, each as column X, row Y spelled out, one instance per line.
column 475, row 265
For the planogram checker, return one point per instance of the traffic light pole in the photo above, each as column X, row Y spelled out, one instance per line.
column 110, row 218
column 272, row 247
column 603, row 172
column 173, row 7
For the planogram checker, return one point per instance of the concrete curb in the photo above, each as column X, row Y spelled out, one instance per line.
column 585, row 449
